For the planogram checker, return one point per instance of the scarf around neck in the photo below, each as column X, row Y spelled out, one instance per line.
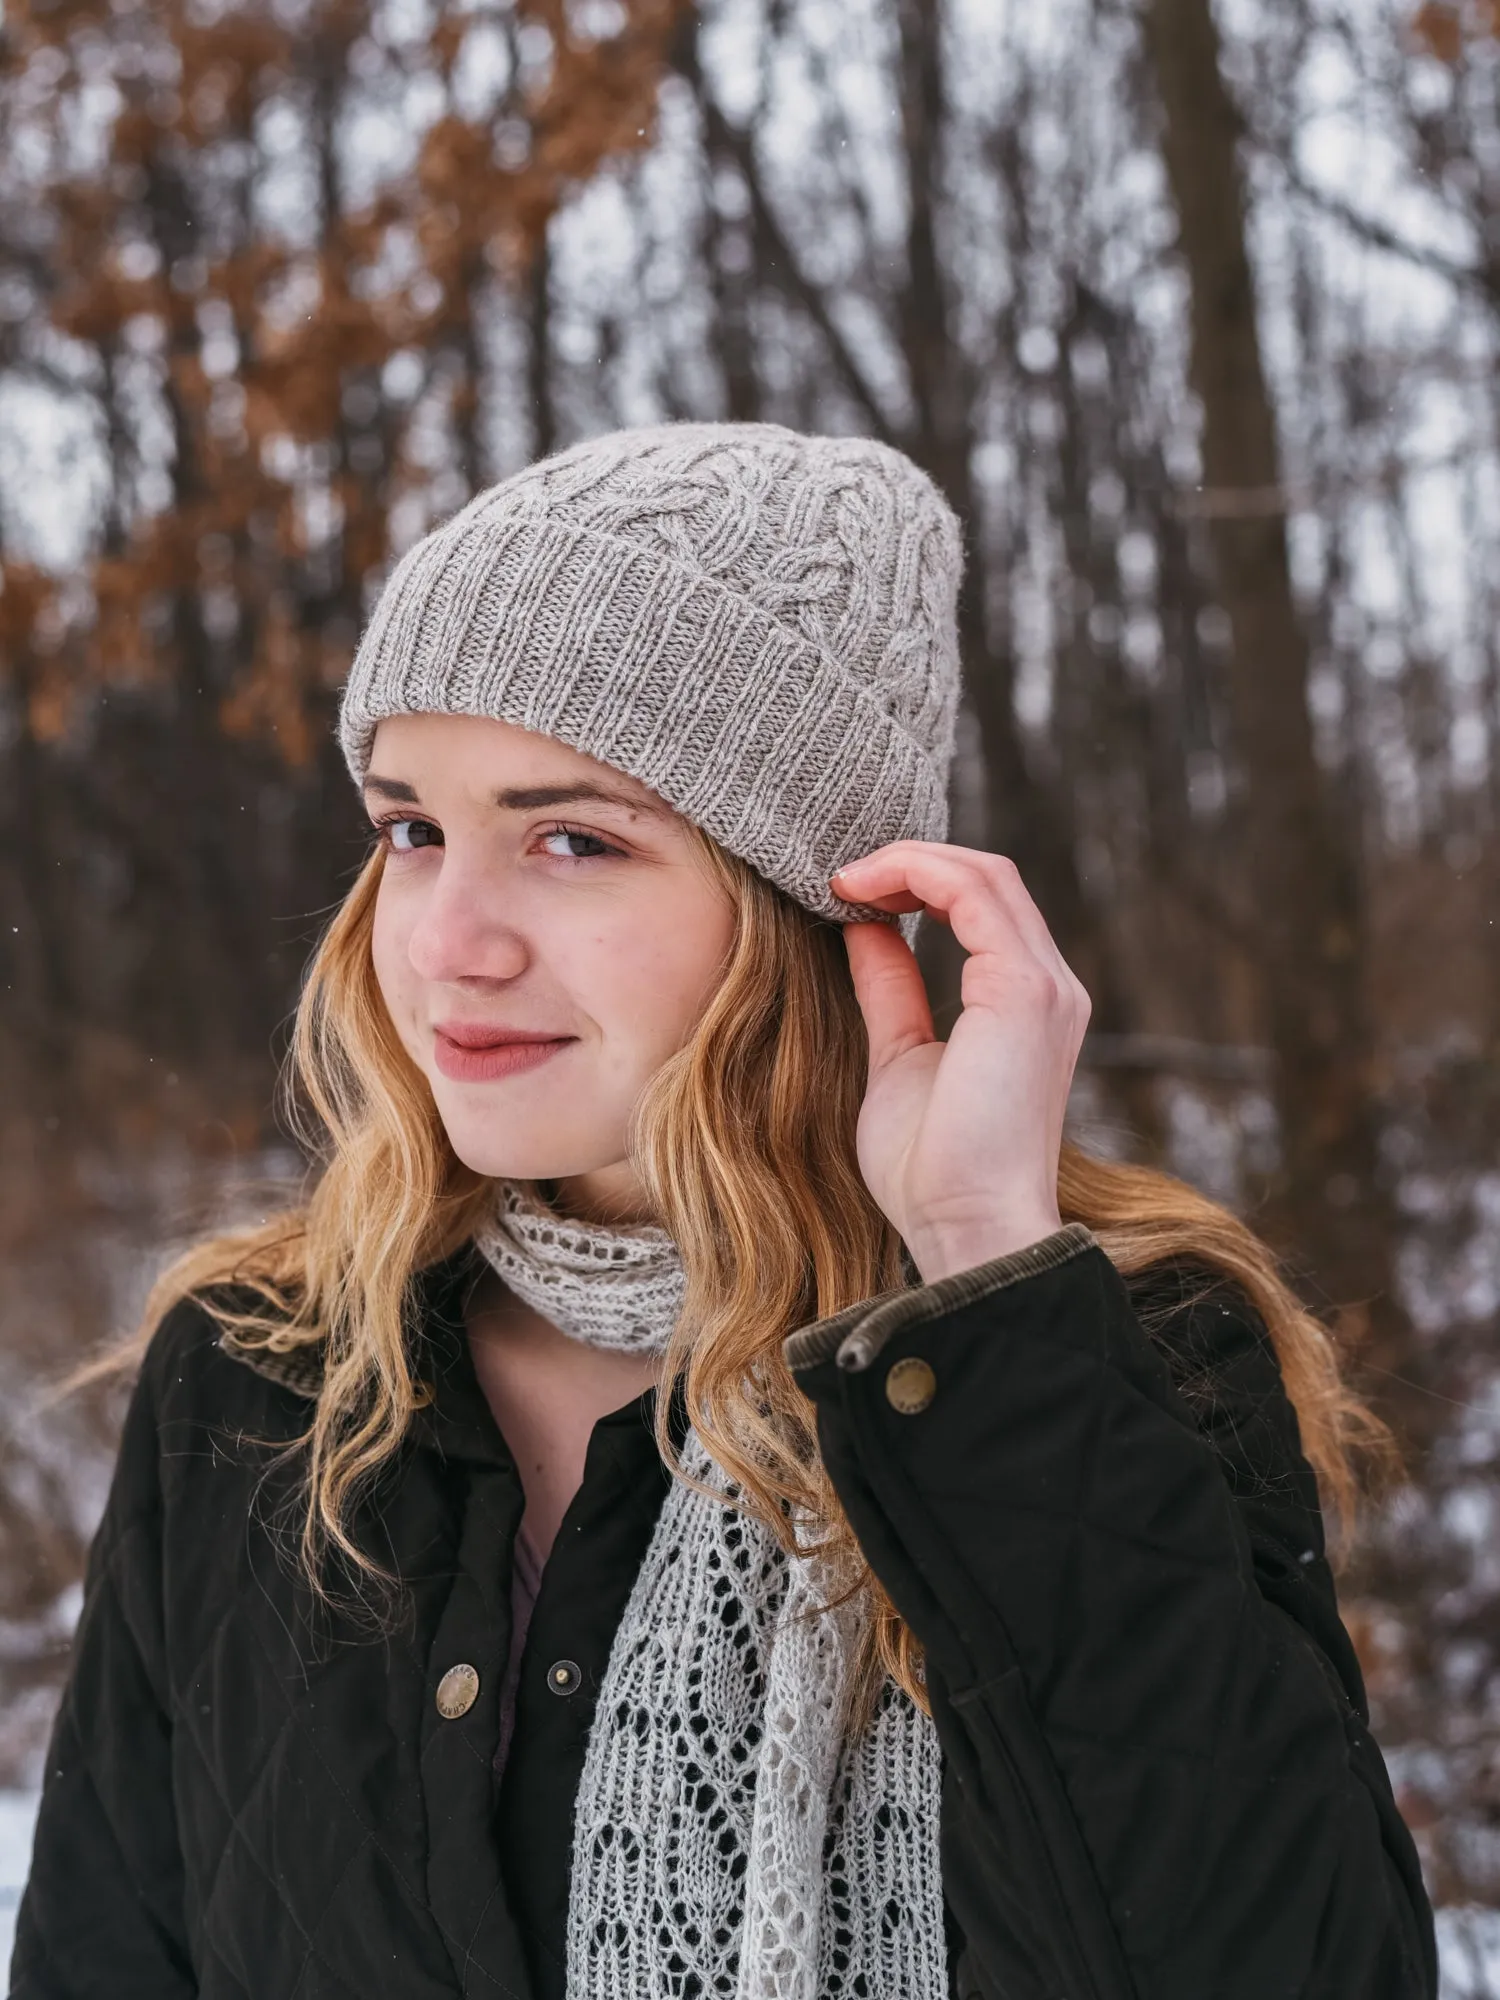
column 614, row 1288
column 733, row 1836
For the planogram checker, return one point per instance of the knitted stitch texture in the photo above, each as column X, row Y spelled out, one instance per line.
column 759, row 625
column 616, row 1288
column 732, row 1836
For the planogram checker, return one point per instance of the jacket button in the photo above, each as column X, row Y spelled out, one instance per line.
column 563, row 1677
column 910, row 1385
column 457, row 1692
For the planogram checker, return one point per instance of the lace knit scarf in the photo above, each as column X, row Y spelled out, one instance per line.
column 732, row 1837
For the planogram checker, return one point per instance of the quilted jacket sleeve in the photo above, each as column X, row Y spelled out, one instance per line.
column 101, row 1917
column 1159, row 1779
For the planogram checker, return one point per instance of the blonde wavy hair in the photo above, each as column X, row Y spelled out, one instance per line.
column 745, row 1145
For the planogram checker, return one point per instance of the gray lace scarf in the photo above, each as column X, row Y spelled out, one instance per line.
column 732, row 1836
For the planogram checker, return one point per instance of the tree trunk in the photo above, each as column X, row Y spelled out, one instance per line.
column 1329, row 1208
column 1025, row 818
column 539, row 352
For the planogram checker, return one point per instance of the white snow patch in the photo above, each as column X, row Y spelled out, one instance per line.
column 17, row 1817
column 1469, row 1948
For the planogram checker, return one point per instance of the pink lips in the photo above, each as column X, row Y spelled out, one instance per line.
column 479, row 1055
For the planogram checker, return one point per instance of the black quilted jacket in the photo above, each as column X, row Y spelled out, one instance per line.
column 1158, row 1779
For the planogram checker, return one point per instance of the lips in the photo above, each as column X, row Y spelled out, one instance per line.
column 480, row 1055
column 475, row 1035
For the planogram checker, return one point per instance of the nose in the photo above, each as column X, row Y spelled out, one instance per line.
column 463, row 930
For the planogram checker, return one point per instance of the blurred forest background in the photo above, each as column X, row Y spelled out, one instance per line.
column 1193, row 311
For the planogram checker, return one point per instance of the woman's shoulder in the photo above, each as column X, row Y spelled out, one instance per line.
column 201, row 1359
column 224, row 1339
column 198, row 1431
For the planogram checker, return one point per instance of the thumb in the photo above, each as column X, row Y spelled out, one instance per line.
column 888, row 986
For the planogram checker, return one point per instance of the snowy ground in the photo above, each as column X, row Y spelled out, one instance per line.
column 1470, row 1939
column 17, row 1810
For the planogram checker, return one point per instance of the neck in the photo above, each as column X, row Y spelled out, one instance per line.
column 546, row 1393
column 571, row 1324
column 611, row 1195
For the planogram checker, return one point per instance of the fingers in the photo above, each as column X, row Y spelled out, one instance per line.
column 896, row 906
column 981, row 895
column 985, row 901
column 889, row 988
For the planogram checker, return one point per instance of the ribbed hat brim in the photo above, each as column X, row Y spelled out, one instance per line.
column 741, row 724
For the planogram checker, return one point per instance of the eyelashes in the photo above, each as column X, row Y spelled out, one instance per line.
column 383, row 832
column 383, row 838
column 582, row 833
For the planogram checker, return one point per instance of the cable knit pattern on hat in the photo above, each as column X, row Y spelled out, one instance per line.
column 759, row 625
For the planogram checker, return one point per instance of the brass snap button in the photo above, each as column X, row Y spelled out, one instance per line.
column 910, row 1385
column 457, row 1692
column 564, row 1677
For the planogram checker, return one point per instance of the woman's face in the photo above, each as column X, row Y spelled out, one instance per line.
column 547, row 933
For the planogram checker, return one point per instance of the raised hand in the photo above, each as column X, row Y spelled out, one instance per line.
column 959, row 1140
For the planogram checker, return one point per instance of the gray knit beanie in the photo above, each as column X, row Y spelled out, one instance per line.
column 760, row 626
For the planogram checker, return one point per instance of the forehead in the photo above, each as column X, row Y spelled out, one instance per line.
column 419, row 753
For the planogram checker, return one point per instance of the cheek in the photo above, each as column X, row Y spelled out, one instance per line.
column 654, row 978
column 389, row 935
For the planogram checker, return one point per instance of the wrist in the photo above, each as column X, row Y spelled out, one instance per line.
column 940, row 1251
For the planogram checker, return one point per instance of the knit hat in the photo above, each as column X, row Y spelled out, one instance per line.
column 758, row 625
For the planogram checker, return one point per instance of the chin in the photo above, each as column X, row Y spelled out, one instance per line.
column 513, row 1154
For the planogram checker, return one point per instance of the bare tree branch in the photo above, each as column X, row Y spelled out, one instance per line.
column 1376, row 233
column 786, row 267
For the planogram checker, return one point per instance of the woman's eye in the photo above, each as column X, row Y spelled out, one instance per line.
column 561, row 843
column 576, row 845
column 403, row 836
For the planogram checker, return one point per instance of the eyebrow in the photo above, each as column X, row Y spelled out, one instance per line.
column 530, row 798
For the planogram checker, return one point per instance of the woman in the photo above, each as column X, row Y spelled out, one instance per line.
column 706, row 1498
